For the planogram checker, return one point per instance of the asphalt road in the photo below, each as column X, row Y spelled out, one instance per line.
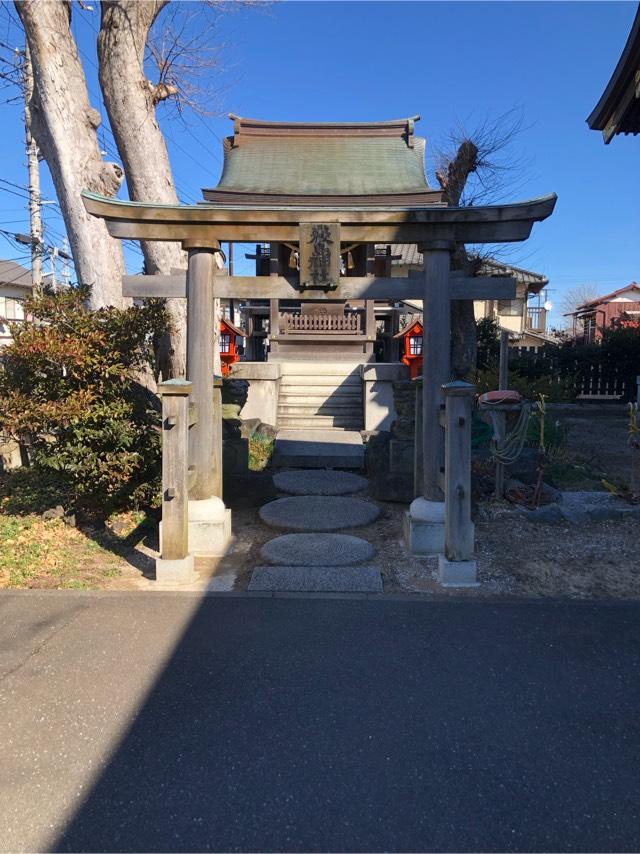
column 166, row 722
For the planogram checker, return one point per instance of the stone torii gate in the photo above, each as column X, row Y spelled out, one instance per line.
column 260, row 198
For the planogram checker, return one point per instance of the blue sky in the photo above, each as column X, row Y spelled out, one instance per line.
column 449, row 62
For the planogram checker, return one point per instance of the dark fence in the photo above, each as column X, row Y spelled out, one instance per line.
column 589, row 370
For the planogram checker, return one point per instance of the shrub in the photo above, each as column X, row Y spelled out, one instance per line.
column 555, row 389
column 488, row 342
column 70, row 391
column 260, row 451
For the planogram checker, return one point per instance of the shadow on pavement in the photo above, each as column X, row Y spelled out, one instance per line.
column 297, row 724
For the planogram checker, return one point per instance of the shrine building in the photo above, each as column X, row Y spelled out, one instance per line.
column 329, row 200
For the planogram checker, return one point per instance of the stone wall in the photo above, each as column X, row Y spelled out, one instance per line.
column 378, row 393
column 264, row 386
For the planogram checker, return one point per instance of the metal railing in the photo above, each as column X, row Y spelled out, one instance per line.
column 536, row 320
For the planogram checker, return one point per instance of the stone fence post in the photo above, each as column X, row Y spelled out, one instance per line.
column 457, row 567
column 175, row 564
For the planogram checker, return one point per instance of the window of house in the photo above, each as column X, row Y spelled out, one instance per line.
column 225, row 342
column 415, row 345
column 510, row 307
column 11, row 308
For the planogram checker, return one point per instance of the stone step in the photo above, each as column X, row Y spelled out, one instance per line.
column 320, row 422
column 319, row 482
column 320, row 407
column 322, row 384
column 312, row 513
column 324, row 407
column 320, row 393
column 317, row 550
column 318, row 448
column 316, row 579
column 340, row 368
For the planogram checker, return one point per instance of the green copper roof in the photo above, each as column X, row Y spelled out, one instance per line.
column 349, row 166
column 323, row 159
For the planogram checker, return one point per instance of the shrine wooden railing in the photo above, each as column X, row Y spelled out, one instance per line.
column 320, row 324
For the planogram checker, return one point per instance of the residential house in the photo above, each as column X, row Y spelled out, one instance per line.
column 606, row 312
column 525, row 316
column 15, row 285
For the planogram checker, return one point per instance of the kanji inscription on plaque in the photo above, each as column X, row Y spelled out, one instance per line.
column 319, row 255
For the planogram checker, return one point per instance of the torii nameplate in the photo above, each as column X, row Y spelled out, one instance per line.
column 319, row 255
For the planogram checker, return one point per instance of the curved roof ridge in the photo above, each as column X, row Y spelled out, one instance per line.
column 270, row 123
column 621, row 92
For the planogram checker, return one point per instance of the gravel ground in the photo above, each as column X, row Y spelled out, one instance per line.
column 515, row 557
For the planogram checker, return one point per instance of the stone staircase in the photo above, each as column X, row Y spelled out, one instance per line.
column 320, row 395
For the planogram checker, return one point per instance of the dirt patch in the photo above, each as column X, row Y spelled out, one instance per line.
column 598, row 559
column 596, row 448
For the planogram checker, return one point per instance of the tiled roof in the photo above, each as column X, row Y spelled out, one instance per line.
column 14, row 274
column 632, row 286
column 407, row 254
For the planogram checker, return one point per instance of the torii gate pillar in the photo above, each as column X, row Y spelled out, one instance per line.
column 209, row 522
column 424, row 523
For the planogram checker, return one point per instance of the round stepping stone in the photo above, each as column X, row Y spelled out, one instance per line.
column 317, row 550
column 318, row 513
column 319, row 482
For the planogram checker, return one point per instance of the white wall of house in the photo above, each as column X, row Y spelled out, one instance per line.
column 11, row 308
column 627, row 296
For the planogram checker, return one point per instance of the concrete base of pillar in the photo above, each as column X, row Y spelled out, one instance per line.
column 209, row 527
column 457, row 573
column 424, row 527
column 178, row 571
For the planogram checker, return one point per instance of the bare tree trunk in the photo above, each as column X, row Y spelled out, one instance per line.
column 463, row 321
column 64, row 126
column 131, row 100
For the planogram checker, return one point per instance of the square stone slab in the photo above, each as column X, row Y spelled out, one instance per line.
column 317, row 579
column 319, row 449
column 319, row 482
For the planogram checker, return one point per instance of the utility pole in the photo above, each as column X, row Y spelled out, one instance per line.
column 35, row 200
column 54, row 268
column 66, row 267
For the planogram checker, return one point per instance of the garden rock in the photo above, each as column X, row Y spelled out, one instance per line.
column 56, row 512
column 548, row 513
column 248, row 427
column 267, row 430
column 582, row 506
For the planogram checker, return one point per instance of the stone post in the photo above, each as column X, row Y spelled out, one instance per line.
column 424, row 523
column 209, row 521
column 175, row 564
column 457, row 566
